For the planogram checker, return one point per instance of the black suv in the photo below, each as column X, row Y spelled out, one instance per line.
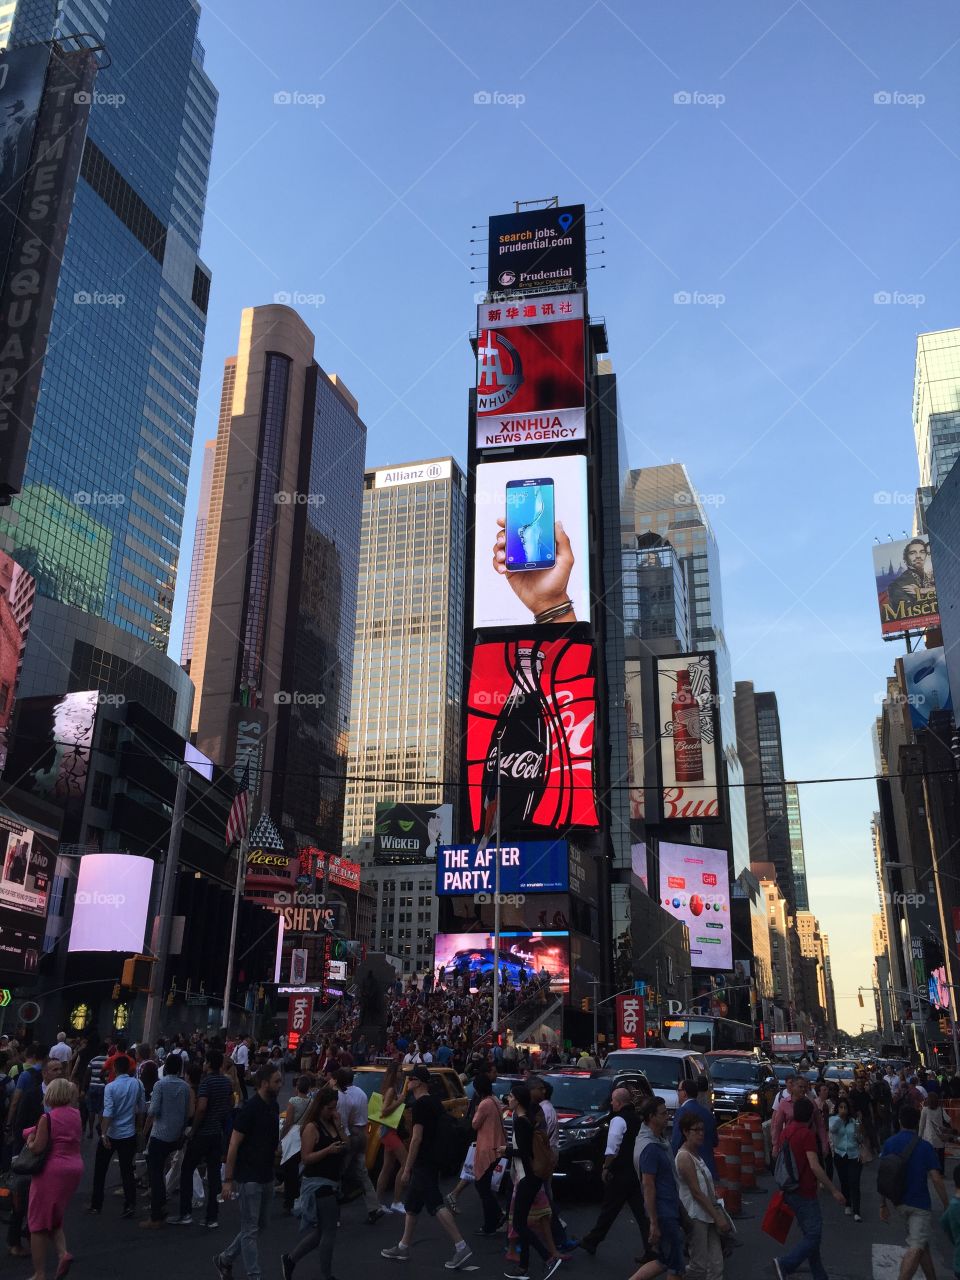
column 744, row 1083
column 582, row 1103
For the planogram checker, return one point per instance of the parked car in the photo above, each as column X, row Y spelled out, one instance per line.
column 662, row 1068
column 444, row 1082
column 741, row 1083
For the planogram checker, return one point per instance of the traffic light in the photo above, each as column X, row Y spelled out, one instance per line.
column 116, row 991
column 860, row 998
column 137, row 973
column 585, row 1004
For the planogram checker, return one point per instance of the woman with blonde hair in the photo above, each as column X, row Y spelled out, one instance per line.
column 58, row 1133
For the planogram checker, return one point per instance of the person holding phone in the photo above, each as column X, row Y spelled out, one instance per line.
column 532, row 551
column 323, row 1148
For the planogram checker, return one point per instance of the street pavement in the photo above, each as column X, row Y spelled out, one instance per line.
column 108, row 1247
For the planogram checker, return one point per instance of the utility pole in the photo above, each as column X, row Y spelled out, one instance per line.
column 595, row 983
column 164, row 920
column 232, row 953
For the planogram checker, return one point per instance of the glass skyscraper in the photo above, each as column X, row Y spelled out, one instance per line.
column 936, row 404
column 99, row 519
column 408, row 655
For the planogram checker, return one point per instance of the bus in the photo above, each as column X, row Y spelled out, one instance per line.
column 705, row 1034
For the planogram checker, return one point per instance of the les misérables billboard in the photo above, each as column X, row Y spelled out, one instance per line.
column 906, row 590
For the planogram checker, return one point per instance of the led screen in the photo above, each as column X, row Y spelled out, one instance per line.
column 473, row 953
column 111, row 903
column 695, row 888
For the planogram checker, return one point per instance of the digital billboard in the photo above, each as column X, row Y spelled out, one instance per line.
column 536, row 248
column 636, row 762
column 531, row 541
column 111, row 903
column 926, row 685
column 539, row 866
column 688, row 738
column 50, row 752
column 22, row 73
column 27, row 858
column 531, row 711
column 17, row 592
column 411, row 832
column 906, row 591
column 695, row 888
column 530, row 371
column 471, row 955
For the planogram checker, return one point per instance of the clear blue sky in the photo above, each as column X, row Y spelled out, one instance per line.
column 797, row 197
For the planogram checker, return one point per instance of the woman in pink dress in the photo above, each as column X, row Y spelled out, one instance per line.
column 60, row 1129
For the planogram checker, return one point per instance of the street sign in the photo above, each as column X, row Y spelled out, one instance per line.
column 6, row 997
column 639, row 988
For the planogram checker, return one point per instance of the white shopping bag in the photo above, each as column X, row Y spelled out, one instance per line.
column 499, row 1170
column 172, row 1180
column 199, row 1196
column 466, row 1173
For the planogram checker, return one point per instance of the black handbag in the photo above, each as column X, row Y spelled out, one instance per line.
column 29, row 1162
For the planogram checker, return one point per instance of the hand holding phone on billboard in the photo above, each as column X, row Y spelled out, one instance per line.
column 537, row 589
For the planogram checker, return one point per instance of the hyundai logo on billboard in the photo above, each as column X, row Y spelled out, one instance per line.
column 537, row 866
column 537, row 248
column 530, row 372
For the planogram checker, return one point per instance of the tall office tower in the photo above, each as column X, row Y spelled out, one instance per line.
column 661, row 501
column 798, row 860
column 99, row 517
column 936, row 405
column 273, row 644
column 196, row 560
column 761, row 754
column 405, row 717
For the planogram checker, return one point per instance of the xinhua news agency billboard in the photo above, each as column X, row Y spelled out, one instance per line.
column 531, row 387
column 537, row 248
column 535, row 866
column 695, row 888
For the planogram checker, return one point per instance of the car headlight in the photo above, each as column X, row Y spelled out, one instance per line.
column 754, row 1099
column 579, row 1135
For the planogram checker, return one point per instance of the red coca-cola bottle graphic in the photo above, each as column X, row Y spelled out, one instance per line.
column 520, row 741
column 687, row 747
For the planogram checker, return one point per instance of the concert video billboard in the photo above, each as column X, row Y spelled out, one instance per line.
column 531, row 706
column 695, row 888
column 906, row 590
column 531, row 544
column 530, row 371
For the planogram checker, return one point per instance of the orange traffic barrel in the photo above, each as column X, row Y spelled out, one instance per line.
column 732, row 1199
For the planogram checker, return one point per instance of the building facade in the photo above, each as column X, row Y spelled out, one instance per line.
column 99, row 517
column 405, row 712
column 761, row 753
column 273, row 647
column 936, row 405
column 197, row 558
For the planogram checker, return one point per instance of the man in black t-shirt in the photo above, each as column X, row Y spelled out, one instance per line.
column 420, row 1177
column 250, row 1165
column 214, row 1104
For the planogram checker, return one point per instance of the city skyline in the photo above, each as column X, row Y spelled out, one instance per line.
column 815, row 357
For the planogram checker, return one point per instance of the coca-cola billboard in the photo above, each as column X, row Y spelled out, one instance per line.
column 688, row 732
column 531, row 712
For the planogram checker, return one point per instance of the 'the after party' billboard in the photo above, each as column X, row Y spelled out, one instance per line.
column 530, row 371
column 531, row 711
column 535, row 866
column 531, row 548
column 906, row 591
column 695, row 888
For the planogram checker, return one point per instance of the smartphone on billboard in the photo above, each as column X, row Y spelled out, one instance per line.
column 530, row 538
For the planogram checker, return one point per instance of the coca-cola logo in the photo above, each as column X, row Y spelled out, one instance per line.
column 522, row 764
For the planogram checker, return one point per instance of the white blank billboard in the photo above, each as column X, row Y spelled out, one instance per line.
column 111, row 903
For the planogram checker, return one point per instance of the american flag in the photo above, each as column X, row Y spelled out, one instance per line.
column 237, row 821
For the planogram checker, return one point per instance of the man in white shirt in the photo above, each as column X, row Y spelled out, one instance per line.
column 352, row 1106
column 61, row 1051
column 241, row 1060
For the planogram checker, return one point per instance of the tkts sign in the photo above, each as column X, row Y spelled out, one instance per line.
column 530, row 371
column 531, row 710
column 299, row 1017
column 631, row 1022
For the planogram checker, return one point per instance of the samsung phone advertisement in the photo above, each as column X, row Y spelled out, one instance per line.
column 536, row 866
column 694, row 888
column 522, row 956
column 530, row 372
column 531, row 541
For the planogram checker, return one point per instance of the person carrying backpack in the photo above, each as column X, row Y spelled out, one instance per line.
column 906, row 1163
column 797, row 1173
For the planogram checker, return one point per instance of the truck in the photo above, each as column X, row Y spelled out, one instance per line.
column 788, row 1044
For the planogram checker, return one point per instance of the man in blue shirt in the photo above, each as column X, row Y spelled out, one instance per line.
column 123, row 1105
column 653, row 1161
column 915, row 1206
column 698, row 1093
column 167, row 1118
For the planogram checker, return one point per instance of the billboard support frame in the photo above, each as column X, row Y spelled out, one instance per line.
column 164, row 920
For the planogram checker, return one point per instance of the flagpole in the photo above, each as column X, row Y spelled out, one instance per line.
column 231, row 954
column 496, row 914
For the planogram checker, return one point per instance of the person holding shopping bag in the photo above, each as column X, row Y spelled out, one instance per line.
column 490, row 1145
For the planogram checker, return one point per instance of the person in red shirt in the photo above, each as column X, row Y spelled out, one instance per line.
column 801, row 1138
column 110, row 1066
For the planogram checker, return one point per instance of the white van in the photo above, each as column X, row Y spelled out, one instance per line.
column 663, row 1068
